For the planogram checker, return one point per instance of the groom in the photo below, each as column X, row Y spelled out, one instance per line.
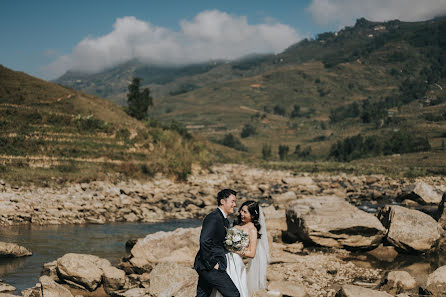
column 210, row 262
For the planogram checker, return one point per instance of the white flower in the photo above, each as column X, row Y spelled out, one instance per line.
column 237, row 237
column 228, row 242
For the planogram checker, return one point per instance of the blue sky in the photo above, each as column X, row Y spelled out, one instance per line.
column 47, row 37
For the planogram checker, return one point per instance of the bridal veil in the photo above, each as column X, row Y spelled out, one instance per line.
column 256, row 272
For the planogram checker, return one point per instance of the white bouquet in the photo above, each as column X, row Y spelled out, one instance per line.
column 236, row 239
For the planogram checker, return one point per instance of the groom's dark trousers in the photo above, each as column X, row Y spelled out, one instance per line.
column 212, row 251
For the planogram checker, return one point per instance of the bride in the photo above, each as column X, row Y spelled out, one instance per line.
column 251, row 221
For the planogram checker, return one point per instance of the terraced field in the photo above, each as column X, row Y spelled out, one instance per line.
column 65, row 134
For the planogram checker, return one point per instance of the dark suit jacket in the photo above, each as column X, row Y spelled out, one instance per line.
column 212, row 237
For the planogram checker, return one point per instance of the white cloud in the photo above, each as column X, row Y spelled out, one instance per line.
column 210, row 35
column 344, row 12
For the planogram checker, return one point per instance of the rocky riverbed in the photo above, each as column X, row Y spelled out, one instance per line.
column 163, row 199
column 314, row 231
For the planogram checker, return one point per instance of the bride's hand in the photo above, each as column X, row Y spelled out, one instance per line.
column 241, row 253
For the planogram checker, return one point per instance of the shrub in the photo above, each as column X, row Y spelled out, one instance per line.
column 123, row 133
column 180, row 129
column 248, row 130
column 279, row 110
column 231, row 141
column 58, row 120
column 343, row 112
column 90, row 123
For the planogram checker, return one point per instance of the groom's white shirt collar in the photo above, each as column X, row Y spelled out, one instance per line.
column 224, row 215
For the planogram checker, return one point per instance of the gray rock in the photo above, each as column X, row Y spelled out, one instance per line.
column 287, row 288
column 134, row 292
column 284, row 198
column 81, row 270
column 4, row 287
column 399, row 281
column 356, row 291
column 172, row 279
column 410, row 230
column 298, row 180
column 52, row 289
column 331, row 221
column 35, row 291
column 436, row 282
column 422, row 193
column 113, row 278
column 8, row 249
column 178, row 246
column 50, row 270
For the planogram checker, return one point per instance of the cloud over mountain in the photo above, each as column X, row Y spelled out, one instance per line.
column 344, row 12
column 210, row 35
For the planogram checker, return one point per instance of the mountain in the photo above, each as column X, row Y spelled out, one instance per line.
column 49, row 131
column 373, row 90
column 162, row 80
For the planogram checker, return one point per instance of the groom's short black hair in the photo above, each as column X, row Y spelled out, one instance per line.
column 225, row 193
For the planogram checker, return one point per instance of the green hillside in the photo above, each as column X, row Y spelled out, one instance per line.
column 49, row 132
column 374, row 90
column 382, row 81
column 112, row 83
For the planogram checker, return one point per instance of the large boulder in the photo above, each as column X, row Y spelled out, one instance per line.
column 331, row 221
column 89, row 272
column 422, row 193
column 173, row 279
column 178, row 246
column 436, row 282
column 410, row 230
column 356, row 291
column 8, row 249
column 52, row 289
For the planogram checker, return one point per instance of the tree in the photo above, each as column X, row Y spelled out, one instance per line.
column 138, row 102
column 296, row 112
column 266, row 151
column 283, row 152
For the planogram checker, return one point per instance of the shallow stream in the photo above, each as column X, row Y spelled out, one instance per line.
column 51, row 242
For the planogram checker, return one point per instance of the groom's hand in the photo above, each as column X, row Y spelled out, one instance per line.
column 216, row 266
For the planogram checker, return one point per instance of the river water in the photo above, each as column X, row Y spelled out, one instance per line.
column 51, row 242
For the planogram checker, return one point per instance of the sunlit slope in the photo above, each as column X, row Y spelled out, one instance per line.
column 60, row 132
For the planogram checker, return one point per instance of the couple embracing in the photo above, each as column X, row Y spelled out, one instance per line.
column 222, row 272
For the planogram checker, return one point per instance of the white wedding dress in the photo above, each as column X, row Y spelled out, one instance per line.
column 252, row 279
